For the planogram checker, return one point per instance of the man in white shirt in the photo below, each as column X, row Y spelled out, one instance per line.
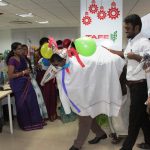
column 136, row 47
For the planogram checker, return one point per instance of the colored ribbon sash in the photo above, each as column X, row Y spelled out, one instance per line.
column 65, row 90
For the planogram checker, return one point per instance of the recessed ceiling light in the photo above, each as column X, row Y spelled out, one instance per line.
column 2, row 3
column 42, row 22
column 25, row 15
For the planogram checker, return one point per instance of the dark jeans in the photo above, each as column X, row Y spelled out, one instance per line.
column 138, row 118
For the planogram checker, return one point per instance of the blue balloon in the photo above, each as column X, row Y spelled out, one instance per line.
column 46, row 62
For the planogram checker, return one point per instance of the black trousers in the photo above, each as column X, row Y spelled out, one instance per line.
column 138, row 118
column 1, row 125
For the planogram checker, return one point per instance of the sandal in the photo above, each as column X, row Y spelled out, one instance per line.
column 111, row 135
column 114, row 138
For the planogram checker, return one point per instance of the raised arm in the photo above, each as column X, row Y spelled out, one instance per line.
column 117, row 52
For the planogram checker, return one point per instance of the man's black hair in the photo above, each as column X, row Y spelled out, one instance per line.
column 134, row 20
column 43, row 40
column 56, row 57
column 59, row 42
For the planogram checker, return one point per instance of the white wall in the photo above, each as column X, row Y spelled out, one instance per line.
column 5, row 40
column 24, row 35
column 146, row 25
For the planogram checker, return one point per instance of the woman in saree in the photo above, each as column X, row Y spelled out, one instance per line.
column 38, row 92
column 28, row 112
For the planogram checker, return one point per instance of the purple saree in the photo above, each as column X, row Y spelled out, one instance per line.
column 28, row 113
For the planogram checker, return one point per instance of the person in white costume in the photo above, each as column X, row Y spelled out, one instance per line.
column 89, row 91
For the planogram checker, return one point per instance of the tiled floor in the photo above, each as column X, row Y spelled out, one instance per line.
column 54, row 136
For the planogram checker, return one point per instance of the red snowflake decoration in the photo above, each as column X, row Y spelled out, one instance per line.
column 93, row 8
column 101, row 14
column 113, row 12
column 86, row 20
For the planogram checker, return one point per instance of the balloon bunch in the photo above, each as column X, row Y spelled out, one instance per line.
column 84, row 46
column 47, row 51
column 45, row 63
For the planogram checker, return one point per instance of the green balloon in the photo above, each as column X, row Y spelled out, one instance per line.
column 85, row 46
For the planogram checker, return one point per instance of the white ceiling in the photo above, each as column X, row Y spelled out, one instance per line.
column 59, row 13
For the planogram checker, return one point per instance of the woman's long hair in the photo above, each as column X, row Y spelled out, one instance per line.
column 11, row 53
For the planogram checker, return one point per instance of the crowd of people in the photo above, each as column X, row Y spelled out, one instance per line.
column 36, row 103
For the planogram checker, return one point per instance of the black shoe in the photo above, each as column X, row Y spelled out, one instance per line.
column 122, row 148
column 144, row 146
column 1, row 129
column 97, row 139
column 114, row 138
column 73, row 148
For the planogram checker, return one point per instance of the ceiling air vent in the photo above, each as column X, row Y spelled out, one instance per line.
column 20, row 22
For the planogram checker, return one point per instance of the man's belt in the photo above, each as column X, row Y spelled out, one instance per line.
column 135, row 82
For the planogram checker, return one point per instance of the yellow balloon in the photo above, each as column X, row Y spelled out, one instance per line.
column 46, row 51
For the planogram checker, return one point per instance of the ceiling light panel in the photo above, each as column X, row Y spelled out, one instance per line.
column 25, row 15
column 2, row 3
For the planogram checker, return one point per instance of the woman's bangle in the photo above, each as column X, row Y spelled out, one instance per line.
column 23, row 73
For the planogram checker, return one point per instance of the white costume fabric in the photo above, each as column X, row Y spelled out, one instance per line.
column 94, row 89
column 40, row 99
column 119, row 124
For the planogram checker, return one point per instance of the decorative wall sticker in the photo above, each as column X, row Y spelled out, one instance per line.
column 86, row 20
column 93, row 8
column 101, row 13
column 113, row 12
column 113, row 36
column 105, row 24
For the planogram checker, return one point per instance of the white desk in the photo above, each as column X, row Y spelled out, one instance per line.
column 2, row 95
